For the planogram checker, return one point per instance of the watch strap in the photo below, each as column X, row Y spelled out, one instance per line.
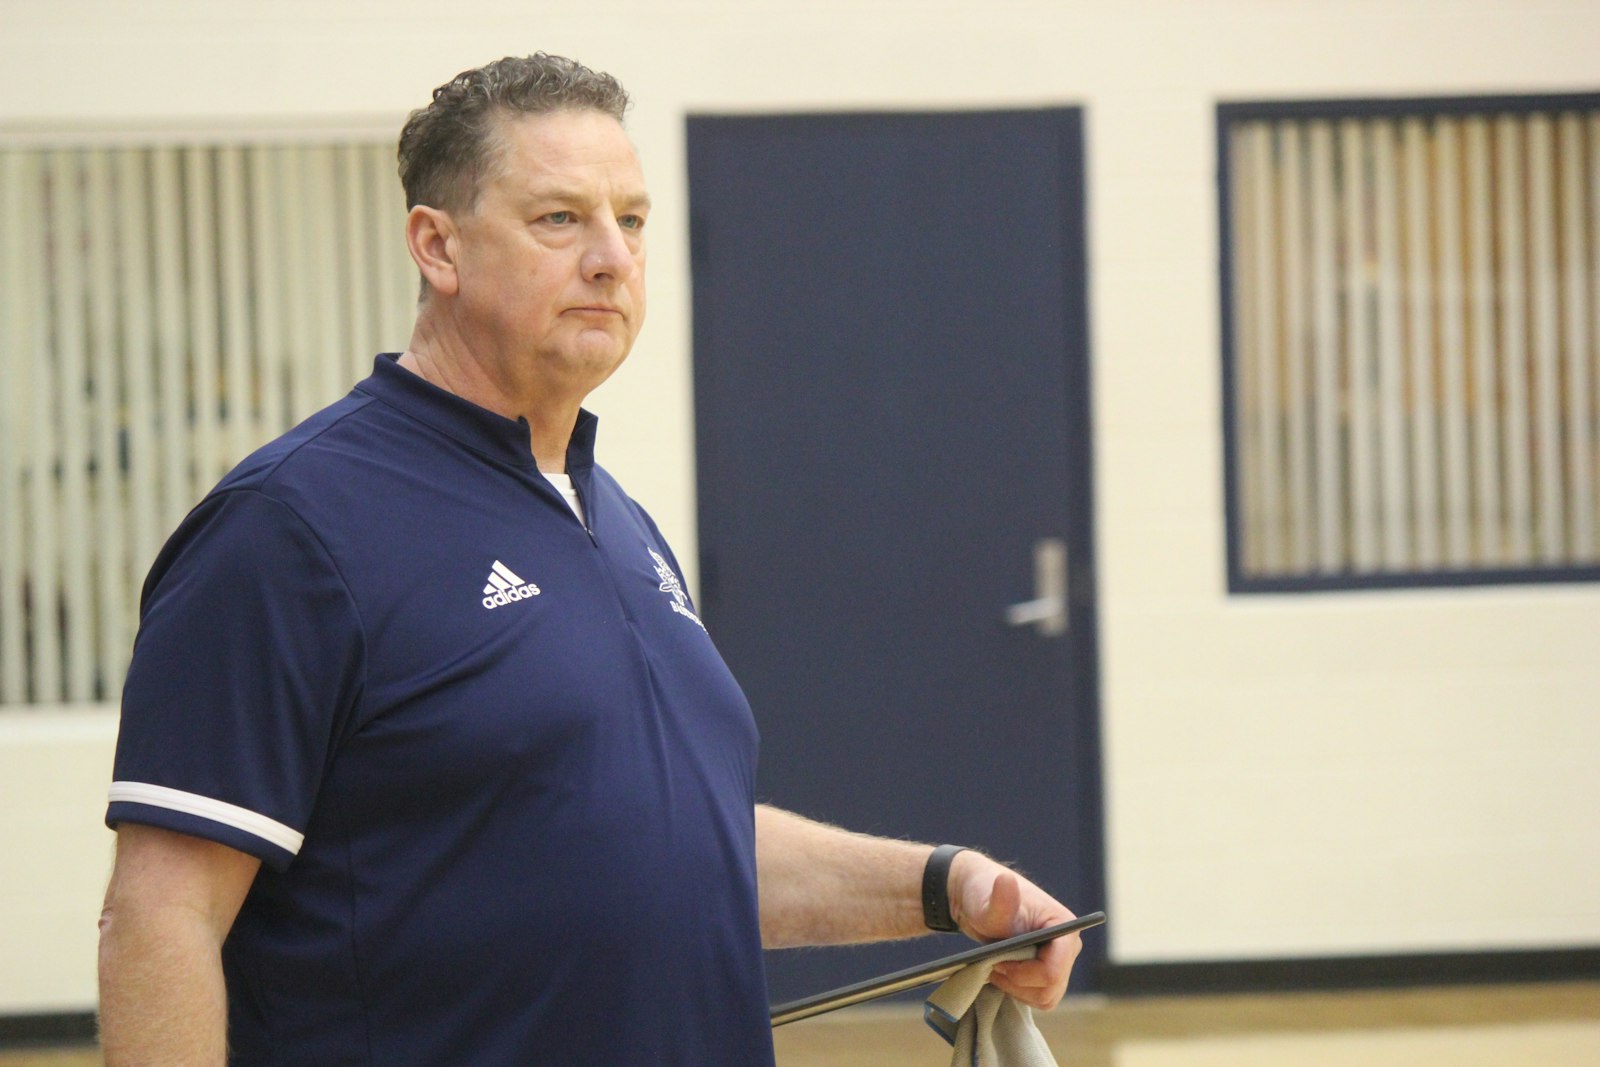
column 936, row 889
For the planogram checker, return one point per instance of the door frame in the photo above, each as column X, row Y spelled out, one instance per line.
column 1087, row 789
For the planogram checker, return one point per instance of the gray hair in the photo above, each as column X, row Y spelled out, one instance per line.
column 448, row 148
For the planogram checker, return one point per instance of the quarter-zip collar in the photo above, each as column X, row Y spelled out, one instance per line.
column 502, row 439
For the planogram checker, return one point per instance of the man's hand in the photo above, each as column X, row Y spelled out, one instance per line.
column 991, row 902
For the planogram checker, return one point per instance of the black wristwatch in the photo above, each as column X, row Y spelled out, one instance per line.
column 936, row 889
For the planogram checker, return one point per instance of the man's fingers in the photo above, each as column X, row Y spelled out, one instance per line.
column 1033, row 996
column 1038, row 973
column 1041, row 981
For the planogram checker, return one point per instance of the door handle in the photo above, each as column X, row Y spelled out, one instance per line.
column 1047, row 611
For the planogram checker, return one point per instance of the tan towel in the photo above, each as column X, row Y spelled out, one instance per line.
column 986, row 1027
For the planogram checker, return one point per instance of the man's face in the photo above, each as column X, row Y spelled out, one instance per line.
column 550, row 266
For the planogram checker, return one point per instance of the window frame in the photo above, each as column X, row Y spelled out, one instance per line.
column 1230, row 113
column 320, row 345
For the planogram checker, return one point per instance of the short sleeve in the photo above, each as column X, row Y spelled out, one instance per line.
column 244, row 674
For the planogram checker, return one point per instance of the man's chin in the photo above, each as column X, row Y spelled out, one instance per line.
column 586, row 366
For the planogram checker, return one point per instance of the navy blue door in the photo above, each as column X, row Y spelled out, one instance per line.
column 892, row 413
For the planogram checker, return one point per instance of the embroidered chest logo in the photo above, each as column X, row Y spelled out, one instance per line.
column 504, row 587
column 674, row 589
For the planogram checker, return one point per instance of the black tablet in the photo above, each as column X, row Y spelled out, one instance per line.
column 923, row 974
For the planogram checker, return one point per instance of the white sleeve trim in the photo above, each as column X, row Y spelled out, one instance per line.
column 159, row 796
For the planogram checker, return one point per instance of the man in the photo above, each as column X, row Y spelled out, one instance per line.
column 425, row 755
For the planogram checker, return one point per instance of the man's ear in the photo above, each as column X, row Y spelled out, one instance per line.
column 431, row 237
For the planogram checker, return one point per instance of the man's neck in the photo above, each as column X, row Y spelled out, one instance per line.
column 441, row 360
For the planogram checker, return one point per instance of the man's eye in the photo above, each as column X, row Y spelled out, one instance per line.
column 560, row 218
column 631, row 222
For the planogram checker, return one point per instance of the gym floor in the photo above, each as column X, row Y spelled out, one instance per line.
column 1538, row 1025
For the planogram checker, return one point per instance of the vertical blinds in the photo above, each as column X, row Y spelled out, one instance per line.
column 1416, row 342
column 163, row 310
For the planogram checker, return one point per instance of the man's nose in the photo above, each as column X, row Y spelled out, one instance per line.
column 609, row 255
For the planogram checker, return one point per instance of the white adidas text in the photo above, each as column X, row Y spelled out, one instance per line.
column 507, row 596
column 505, row 587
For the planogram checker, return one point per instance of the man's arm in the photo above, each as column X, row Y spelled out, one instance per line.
column 820, row 885
column 171, row 902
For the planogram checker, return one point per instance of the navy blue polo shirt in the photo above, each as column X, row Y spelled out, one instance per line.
column 500, row 780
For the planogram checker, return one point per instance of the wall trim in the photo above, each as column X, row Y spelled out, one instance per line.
column 1142, row 979
column 1350, row 972
column 47, row 1028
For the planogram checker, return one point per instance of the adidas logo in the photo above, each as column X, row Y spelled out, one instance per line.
column 505, row 587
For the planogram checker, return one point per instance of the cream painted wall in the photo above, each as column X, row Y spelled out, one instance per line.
column 54, row 855
column 1364, row 773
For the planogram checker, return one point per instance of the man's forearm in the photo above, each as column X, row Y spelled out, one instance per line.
column 821, row 885
column 162, row 999
column 169, row 907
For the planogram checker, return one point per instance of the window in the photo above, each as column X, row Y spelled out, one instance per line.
column 1411, row 307
column 164, row 309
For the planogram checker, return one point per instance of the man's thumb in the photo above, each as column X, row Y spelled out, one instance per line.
column 1004, row 904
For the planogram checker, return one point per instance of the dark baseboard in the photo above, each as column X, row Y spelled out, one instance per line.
column 1358, row 972
column 1143, row 979
column 54, row 1028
